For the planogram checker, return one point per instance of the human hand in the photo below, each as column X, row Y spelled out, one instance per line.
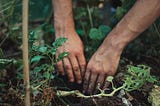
column 102, row 64
column 75, row 63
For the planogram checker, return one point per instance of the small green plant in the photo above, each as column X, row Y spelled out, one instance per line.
column 43, row 61
column 135, row 78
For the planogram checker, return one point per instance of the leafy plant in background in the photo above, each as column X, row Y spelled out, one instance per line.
column 97, row 35
column 124, row 8
column 89, row 25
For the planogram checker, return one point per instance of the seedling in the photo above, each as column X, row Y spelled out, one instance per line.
column 135, row 78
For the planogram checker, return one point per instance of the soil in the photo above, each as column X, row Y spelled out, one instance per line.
column 10, row 94
column 134, row 98
column 105, row 101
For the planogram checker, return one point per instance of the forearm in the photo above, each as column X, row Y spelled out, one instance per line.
column 140, row 17
column 63, row 16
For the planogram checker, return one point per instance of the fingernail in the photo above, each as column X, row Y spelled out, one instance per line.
column 79, row 81
column 71, row 80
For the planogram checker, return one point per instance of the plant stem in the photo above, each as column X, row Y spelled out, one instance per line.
column 25, row 52
column 38, row 86
column 79, row 94
column 90, row 16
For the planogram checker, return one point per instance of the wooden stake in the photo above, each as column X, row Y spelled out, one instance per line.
column 25, row 52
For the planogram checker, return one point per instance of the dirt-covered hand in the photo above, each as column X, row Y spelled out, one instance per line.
column 75, row 63
column 102, row 64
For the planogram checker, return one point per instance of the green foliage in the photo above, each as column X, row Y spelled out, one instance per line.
column 6, row 62
column 59, row 42
column 100, row 33
column 36, row 58
column 124, row 8
column 137, row 76
column 44, row 61
column 89, row 19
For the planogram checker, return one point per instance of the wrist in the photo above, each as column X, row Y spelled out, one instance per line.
column 120, row 36
column 64, row 27
column 65, row 33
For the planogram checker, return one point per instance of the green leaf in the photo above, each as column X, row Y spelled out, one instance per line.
column 6, row 62
column 80, row 32
column 137, row 76
column 104, row 29
column 95, row 34
column 100, row 33
column 42, row 49
column 62, row 55
column 20, row 75
column 120, row 12
column 37, row 69
column 36, row 58
column 53, row 51
column 52, row 30
column 59, row 42
column 47, row 75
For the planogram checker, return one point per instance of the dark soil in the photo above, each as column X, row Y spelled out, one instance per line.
column 105, row 101
column 11, row 94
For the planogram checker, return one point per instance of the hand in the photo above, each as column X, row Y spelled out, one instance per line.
column 102, row 64
column 75, row 63
column 105, row 61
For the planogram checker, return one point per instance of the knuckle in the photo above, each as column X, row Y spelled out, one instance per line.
column 75, row 68
column 96, row 70
column 59, row 64
column 83, row 65
column 67, row 67
column 78, row 53
column 103, row 72
column 78, row 77
column 71, row 55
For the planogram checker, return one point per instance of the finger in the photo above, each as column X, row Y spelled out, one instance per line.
column 92, row 83
column 68, row 69
column 60, row 68
column 82, row 63
column 86, row 80
column 76, row 69
column 106, row 83
column 100, row 81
